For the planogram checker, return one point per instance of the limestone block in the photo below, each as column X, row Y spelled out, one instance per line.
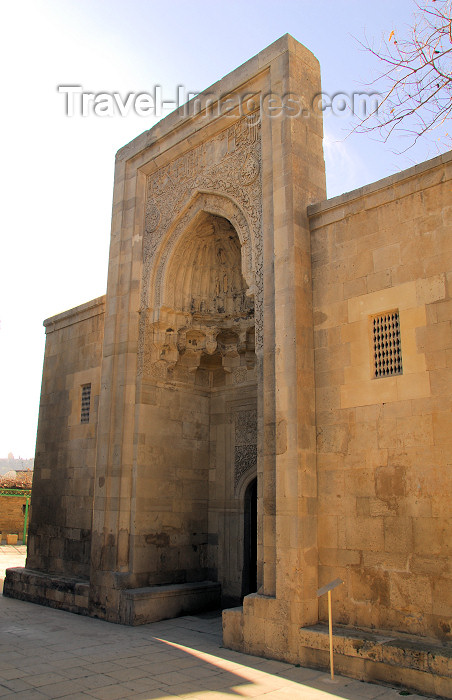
column 398, row 534
column 432, row 536
column 410, row 593
column 440, row 381
column 378, row 280
column 384, row 656
column 233, row 628
column 360, row 482
column 415, row 431
column 142, row 605
column 386, row 256
column 431, row 289
column 442, row 598
column 364, row 533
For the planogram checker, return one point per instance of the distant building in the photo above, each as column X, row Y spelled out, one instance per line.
column 13, row 507
column 11, row 463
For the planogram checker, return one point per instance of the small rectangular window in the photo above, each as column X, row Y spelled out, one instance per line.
column 387, row 346
column 86, row 403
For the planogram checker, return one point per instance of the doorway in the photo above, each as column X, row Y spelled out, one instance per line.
column 249, row 579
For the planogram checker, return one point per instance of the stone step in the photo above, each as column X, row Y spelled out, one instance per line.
column 53, row 590
column 139, row 606
column 381, row 655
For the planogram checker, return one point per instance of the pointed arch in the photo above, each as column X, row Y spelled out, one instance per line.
column 200, row 204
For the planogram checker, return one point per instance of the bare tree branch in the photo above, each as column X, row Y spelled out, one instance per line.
column 416, row 82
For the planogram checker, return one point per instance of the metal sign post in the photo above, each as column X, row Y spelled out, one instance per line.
column 327, row 589
column 24, row 538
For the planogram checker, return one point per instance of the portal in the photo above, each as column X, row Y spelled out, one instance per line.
column 201, row 431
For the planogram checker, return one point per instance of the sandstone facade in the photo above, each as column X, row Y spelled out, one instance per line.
column 262, row 401
column 384, row 445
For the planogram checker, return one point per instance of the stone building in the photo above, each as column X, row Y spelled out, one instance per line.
column 261, row 403
column 15, row 496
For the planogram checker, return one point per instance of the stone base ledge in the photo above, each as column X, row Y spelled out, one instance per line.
column 52, row 590
column 139, row 606
column 233, row 628
column 422, row 664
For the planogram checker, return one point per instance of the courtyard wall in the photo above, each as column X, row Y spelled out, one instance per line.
column 384, row 448
column 12, row 515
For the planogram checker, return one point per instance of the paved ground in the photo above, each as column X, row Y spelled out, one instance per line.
column 11, row 555
column 52, row 654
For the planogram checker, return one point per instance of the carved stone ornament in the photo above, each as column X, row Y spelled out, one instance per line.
column 240, row 375
column 245, row 452
column 245, row 459
column 250, row 170
column 225, row 172
column 153, row 216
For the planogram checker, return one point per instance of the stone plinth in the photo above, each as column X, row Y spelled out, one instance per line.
column 139, row 606
column 54, row 591
column 423, row 664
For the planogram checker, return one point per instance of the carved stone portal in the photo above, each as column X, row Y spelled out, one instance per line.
column 206, row 180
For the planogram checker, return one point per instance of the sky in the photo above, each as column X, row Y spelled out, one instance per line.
column 57, row 172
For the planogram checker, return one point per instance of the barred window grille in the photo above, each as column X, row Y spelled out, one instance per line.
column 387, row 346
column 86, row 403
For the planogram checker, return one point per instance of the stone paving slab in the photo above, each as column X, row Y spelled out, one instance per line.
column 47, row 653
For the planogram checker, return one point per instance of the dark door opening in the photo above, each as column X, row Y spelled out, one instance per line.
column 249, row 579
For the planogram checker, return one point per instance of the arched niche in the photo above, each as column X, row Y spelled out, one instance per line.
column 203, row 275
column 202, row 327
column 200, row 205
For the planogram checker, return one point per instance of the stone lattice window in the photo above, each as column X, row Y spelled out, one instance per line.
column 86, row 403
column 387, row 346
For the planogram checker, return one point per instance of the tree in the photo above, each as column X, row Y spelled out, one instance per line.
column 416, row 82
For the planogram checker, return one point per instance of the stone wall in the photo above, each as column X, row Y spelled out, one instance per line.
column 384, row 443
column 60, row 526
column 169, row 540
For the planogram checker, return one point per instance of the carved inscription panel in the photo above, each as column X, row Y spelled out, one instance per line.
column 245, row 454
